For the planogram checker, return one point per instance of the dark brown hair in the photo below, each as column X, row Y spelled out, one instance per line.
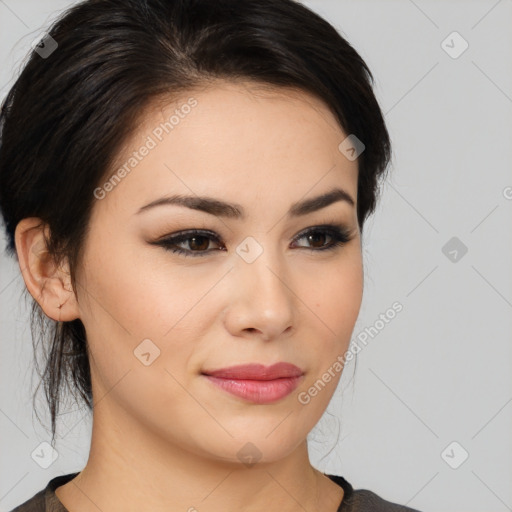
column 69, row 113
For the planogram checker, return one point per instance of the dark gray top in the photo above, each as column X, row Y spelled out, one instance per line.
column 360, row 500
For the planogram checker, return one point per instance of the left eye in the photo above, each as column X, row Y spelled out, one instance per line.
column 199, row 241
column 317, row 237
column 338, row 234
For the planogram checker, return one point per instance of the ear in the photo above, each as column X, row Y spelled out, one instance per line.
column 48, row 284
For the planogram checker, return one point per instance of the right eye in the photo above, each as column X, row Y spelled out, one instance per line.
column 198, row 242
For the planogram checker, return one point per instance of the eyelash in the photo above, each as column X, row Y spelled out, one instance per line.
column 339, row 234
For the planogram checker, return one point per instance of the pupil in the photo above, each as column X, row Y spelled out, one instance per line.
column 194, row 245
column 318, row 236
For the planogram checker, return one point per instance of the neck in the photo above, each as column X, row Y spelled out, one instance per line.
column 131, row 469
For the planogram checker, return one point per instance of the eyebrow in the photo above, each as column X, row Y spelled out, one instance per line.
column 235, row 211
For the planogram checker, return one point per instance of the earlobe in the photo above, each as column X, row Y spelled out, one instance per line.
column 49, row 284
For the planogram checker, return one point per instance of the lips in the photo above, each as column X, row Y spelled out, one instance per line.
column 257, row 372
column 257, row 383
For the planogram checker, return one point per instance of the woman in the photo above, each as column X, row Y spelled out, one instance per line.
column 184, row 184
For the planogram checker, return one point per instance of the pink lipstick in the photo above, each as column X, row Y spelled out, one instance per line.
column 257, row 383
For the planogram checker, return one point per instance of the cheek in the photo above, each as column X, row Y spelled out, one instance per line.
column 149, row 315
column 334, row 294
column 142, row 293
column 127, row 298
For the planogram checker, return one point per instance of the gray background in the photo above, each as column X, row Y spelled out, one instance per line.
column 441, row 370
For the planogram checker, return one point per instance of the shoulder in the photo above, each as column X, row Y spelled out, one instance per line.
column 45, row 500
column 363, row 500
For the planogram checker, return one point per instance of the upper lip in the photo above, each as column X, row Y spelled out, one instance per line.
column 257, row 371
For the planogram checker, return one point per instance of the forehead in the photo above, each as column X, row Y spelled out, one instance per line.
column 227, row 137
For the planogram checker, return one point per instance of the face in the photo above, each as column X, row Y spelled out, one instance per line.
column 261, row 281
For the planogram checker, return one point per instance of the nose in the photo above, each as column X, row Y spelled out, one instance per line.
column 262, row 302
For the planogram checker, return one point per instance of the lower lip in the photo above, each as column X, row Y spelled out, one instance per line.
column 258, row 391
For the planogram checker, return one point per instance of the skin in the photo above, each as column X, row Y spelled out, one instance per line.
column 164, row 438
